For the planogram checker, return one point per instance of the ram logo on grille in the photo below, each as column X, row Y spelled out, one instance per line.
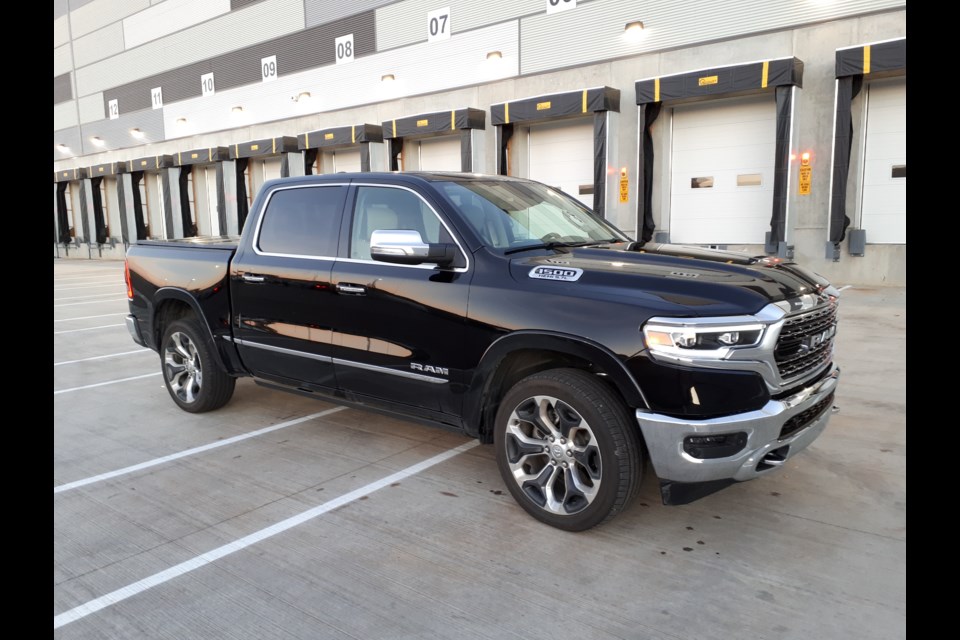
column 813, row 341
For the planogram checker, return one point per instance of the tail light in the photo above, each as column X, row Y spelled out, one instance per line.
column 126, row 278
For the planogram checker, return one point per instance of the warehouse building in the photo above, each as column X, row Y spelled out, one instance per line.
column 770, row 128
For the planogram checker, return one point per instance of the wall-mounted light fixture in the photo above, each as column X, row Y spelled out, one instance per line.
column 633, row 31
column 303, row 96
column 237, row 109
column 137, row 133
column 388, row 77
column 494, row 55
column 181, row 121
column 98, row 141
column 62, row 148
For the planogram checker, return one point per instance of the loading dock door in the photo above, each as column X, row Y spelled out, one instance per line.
column 440, row 154
column 722, row 171
column 561, row 155
column 261, row 171
column 884, row 203
column 205, row 199
column 346, row 160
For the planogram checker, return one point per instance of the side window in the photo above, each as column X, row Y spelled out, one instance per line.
column 302, row 221
column 386, row 208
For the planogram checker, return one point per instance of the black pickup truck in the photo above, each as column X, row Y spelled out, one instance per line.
column 506, row 310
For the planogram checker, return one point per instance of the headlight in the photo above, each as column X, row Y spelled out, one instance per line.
column 689, row 341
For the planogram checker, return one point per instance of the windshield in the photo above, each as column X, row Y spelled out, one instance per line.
column 507, row 214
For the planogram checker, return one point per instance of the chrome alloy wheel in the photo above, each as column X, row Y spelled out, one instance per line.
column 553, row 455
column 182, row 367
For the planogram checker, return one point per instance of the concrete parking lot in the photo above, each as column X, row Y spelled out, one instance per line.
column 346, row 524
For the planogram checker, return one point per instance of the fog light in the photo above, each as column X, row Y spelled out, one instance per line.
column 715, row 446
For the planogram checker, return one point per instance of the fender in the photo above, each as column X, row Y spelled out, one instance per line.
column 226, row 351
column 476, row 399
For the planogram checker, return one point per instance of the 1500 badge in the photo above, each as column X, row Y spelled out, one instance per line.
column 567, row 274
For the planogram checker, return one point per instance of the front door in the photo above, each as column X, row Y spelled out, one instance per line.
column 399, row 330
column 280, row 284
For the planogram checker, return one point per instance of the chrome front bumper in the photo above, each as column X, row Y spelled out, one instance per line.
column 664, row 436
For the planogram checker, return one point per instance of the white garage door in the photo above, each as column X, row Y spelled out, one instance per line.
column 885, row 164
column 440, row 154
column 261, row 171
column 561, row 155
column 722, row 172
column 346, row 160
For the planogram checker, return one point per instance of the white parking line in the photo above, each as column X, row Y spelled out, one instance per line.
column 89, row 297
column 73, row 304
column 74, row 276
column 102, row 315
column 213, row 555
column 109, row 355
column 87, row 285
column 102, row 326
column 103, row 384
column 190, row 452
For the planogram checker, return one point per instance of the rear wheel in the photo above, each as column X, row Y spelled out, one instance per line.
column 567, row 450
column 193, row 378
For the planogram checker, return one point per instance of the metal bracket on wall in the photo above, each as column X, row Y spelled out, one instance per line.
column 661, row 237
column 857, row 242
column 831, row 251
column 785, row 251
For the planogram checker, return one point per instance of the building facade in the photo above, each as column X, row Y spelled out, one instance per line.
column 771, row 128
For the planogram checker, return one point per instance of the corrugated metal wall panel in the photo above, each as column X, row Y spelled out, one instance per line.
column 62, row 88
column 340, row 86
column 295, row 52
column 61, row 32
column 235, row 30
column 169, row 16
column 69, row 136
column 98, row 45
column 323, row 11
column 116, row 133
column 59, row 9
column 62, row 60
column 64, row 116
column 91, row 108
column 238, row 4
column 99, row 13
column 594, row 31
column 406, row 22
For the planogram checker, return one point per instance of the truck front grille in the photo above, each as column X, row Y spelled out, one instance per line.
column 805, row 345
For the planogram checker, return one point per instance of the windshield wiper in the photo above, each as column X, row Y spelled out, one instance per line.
column 557, row 245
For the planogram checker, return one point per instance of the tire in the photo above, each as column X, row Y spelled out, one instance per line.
column 532, row 437
column 191, row 371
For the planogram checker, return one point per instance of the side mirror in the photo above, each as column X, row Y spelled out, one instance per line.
column 405, row 246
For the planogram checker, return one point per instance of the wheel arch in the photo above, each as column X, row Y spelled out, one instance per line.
column 522, row 353
column 171, row 304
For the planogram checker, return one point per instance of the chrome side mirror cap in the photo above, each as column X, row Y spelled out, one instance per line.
column 405, row 246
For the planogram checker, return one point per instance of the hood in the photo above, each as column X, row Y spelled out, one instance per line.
column 683, row 280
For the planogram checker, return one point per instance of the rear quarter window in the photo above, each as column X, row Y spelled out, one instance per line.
column 302, row 221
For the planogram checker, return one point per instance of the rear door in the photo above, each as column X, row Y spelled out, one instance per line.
column 281, row 286
column 398, row 330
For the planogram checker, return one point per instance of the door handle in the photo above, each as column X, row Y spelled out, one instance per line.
column 249, row 277
column 351, row 289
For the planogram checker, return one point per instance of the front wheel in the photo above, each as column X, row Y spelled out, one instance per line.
column 193, row 378
column 567, row 450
